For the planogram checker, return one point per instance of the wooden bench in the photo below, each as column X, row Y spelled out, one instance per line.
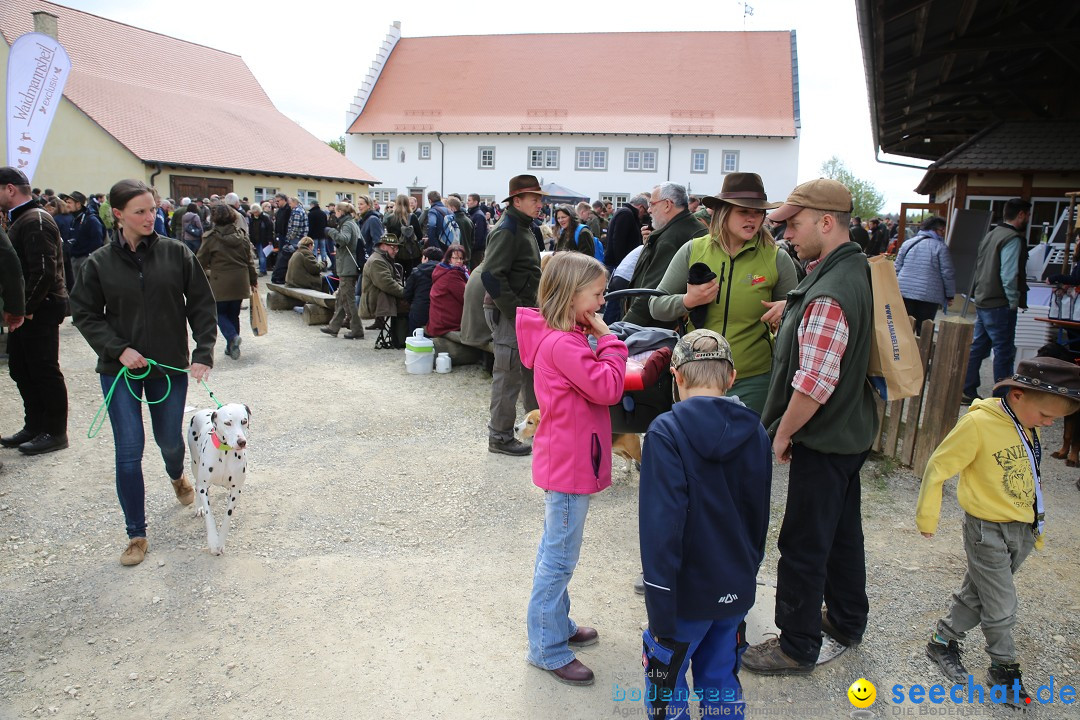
column 318, row 306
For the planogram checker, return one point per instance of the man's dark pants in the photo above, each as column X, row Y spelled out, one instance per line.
column 995, row 328
column 34, row 364
column 821, row 552
column 282, row 265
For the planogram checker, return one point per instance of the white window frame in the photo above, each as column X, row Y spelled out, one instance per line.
column 344, row 197
column 591, row 156
column 548, row 154
column 635, row 159
column 728, row 154
column 420, row 151
column 262, row 194
column 480, row 157
column 383, row 195
column 380, row 149
column 704, row 160
column 306, row 197
column 617, row 200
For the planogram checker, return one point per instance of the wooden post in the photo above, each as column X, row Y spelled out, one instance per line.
column 947, row 369
column 1069, row 233
column 915, row 404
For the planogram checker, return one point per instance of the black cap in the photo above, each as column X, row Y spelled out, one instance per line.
column 13, row 176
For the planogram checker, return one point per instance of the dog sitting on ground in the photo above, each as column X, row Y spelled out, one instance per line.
column 217, row 444
column 1070, row 445
column 626, row 446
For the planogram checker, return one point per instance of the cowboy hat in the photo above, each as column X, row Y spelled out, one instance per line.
column 521, row 184
column 1046, row 374
column 742, row 189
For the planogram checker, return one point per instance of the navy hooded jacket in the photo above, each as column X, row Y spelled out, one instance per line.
column 706, row 474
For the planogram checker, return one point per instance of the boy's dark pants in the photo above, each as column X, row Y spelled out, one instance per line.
column 821, row 552
column 987, row 596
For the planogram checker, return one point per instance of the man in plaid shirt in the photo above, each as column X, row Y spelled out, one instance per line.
column 821, row 414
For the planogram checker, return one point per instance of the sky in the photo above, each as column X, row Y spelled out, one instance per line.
column 311, row 58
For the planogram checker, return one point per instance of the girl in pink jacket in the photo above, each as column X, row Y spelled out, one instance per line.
column 571, row 457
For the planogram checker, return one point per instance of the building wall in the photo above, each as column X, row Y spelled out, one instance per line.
column 244, row 184
column 454, row 163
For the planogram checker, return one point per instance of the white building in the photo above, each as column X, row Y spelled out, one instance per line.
column 604, row 114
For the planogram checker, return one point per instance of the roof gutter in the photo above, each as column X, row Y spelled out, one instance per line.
column 155, row 174
column 267, row 173
column 442, row 162
column 877, row 156
column 669, row 157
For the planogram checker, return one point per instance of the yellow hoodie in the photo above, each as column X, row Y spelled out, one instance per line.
column 995, row 475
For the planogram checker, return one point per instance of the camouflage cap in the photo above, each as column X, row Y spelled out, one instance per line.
column 685, row 351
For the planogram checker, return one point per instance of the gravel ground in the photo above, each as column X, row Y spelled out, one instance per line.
column 380, row 561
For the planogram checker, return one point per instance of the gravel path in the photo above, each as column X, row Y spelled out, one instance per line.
column 380, row 562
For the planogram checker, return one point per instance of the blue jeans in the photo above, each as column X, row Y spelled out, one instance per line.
column 713, row 650
column 262, row 259
column 228, row 319
column 994, row 328
column 167, row 419
column 548, row 619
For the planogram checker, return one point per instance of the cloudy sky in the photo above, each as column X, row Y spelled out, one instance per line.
column 311, row 58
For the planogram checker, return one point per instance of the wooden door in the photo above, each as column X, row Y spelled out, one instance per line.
column 183, row 186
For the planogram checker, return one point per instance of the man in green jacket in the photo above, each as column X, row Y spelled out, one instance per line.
column 511, row 277
column 820, row 412
column 673, row 227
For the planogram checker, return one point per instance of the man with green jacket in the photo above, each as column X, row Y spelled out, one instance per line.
column 511, row 277
column 673, row 227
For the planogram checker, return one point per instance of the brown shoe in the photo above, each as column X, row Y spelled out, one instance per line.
column 768, row 658
column 136, row 551
column 184, row 492
column 829, row 629
column 574, row 673
column 354, row 335
column 584, row 636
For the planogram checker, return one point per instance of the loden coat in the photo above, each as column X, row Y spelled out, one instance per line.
column 381, row 287
column 304, row 270
column 227, row 257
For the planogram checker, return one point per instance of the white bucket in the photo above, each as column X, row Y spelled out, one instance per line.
column 419, row 353
column 442, row 363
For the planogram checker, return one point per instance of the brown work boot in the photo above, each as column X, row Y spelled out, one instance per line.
column 768, row 658
column 135, row 552
column 574, row 673
column 184, row 492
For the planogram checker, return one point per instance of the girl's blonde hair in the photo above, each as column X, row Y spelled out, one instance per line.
column 565, row 275
column 718, row 233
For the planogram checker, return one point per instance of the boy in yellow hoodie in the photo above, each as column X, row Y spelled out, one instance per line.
column 995, row 449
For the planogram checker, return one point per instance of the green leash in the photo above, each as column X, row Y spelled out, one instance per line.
column 127, row 375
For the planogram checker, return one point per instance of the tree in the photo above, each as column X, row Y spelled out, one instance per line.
column 867, row 198
column 338, row 144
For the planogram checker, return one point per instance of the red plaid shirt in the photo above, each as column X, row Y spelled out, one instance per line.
column 823, row 338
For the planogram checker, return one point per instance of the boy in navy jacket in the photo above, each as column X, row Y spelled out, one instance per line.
column 706, row 473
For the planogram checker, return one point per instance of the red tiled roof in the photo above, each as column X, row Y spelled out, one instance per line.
column 684, row 83
column 150, row 92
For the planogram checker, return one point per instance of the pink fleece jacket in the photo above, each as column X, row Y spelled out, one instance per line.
column 574, row 386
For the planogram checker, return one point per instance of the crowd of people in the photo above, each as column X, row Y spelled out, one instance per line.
column 769, row 312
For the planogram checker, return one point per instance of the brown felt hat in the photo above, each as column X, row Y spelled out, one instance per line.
column 742, row 189
column 389, row 239
column 521, row 184
column 820, row 194
column 1046, row 374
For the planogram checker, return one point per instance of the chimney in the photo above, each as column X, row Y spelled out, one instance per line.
column 45, row 23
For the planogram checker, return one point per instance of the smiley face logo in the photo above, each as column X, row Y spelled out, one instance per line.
column 862, row 693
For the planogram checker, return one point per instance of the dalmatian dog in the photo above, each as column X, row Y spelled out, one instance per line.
column 217, row 443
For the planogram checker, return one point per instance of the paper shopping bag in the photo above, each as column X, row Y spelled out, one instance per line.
column 895, row 370
column 258, row 315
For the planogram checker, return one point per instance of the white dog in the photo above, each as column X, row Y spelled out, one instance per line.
column 217, row 443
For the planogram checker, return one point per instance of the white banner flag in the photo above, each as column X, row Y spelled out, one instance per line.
column 38, row 67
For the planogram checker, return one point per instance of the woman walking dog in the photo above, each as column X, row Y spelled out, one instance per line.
column 140, row 269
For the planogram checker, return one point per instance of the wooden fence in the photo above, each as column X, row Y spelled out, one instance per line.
column 910, row 430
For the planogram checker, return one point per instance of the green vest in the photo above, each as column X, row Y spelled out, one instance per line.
column 846, row 424
column 748, row 279
column 989, row 292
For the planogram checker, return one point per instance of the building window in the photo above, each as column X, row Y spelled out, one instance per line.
column 307, row 197
column 486, row 158
column 543, row 158
column 262, row 194
column 699, row 161
column 344, row 197
column 591, row 159
column 380, row 149
column 383, row 195
column 731, row 161
column 425, row 151
column 641, row 159
column 616, row 199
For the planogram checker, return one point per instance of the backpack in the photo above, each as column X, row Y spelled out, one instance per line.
column 447, row 230
column 193, row 230
column 598, row 247
column 410, row 248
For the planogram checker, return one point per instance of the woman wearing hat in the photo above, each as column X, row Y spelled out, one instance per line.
column 745, row 299
column 571, row 234
column 383, row 283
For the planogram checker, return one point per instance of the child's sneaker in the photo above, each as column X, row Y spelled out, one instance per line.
column 1007, row 675
column 948, row 659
